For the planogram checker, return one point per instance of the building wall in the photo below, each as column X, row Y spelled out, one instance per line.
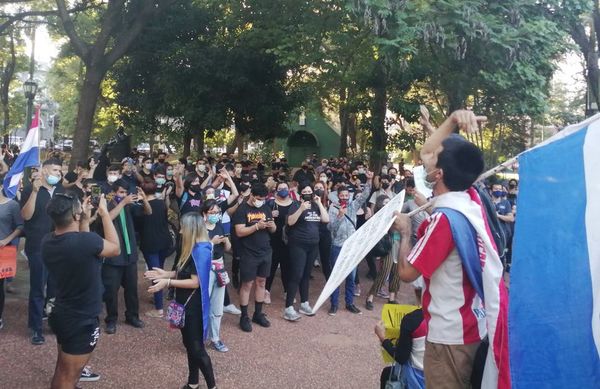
column 297, row 146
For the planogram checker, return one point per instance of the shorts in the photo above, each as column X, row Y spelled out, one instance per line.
column 252, row 267
column 75, row 336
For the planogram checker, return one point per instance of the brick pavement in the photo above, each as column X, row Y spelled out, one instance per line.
column 316, row 352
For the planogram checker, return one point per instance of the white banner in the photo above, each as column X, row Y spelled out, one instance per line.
column 358, row 245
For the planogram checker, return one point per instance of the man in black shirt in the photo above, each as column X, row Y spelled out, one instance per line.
column 253, row 223
column 73, row 255
column 304, row 175
column 121, row 270
column 34, row 199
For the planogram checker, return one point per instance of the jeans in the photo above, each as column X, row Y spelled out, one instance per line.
column 157, row 260
column 38, row 283
column 217, row 298
column 349, row 289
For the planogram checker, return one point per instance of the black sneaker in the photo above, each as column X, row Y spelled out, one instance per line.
column 354, row 309
column 135, row 322
column 369, row 305
column 261, row 320
column 88, row 376
column 332, row 310
column 37, row 338
column 245, row 324
column 111, row 328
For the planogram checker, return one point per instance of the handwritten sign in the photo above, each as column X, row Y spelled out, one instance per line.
column 392, row 315
column 8, row 261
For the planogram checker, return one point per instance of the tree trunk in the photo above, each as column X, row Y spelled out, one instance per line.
column 379, row 139
column 187, row 143
column 199, row 142
column 343, row 123
column 7, row 75
column 88, row 98
column 352, row 130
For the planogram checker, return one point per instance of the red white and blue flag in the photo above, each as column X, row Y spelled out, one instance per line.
column 28, row 157
column 555, row 277
column 490, row 284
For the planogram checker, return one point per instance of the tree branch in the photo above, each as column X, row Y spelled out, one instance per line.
column 79, row 46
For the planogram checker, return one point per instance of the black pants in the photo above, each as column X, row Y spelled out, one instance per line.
column 279, row 258
column 198, row 358
column 302, row 257
column 325, row 252
column 385, row 375
column 114, row 277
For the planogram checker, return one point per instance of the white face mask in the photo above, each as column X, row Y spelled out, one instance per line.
column 259, row 203
column 111, row 178
column 323, row 180
column 148, row 166
column 429, row 184
column 201, row 168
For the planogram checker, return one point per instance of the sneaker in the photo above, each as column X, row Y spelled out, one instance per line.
column 135, row 322
column 383, row 294
column 261, row 320
column 232, row 310
column 357, row 290
column 220, row 346
column 111, row 328
column 369, row 305
column 267, row 297
column 37, row 338
column 245, row 324
column 306, row 309
column 290, row 314
column 154, row 313
column 354, row 309
column 332, row 310
column 88, row 376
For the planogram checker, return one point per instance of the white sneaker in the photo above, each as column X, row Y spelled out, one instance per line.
column 232, row 310
column 267, row 297
column 306, row 309
column 290, row 314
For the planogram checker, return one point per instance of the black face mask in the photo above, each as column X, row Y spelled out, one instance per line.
column 385, row 185
column 319, row 192
column 196, row 188
column 244, row 187
column 161, row 160
column 307, row 197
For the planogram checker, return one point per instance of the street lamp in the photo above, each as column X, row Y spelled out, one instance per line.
column 30, row 89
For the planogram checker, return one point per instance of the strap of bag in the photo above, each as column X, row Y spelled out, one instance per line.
column 188, row 299
column 175, row 292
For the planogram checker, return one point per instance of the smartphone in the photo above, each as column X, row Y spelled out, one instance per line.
column 96, row 193
column 269, row 219
column 226, row 235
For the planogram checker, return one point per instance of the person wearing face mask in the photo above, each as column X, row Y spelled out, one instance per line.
column 342, row 224
column 303, row 221
column 160, row 180
column 189, row 193
column 304, row 174
column 121, row 270
column 146, row 169
column 324, row 234
column 253, row 223
column 161, row 161
column 218, row 276
column 503, row 209
column 280, row 207
column 34, row 199
column 384, row 190
column 155, row 239
column 323, row 166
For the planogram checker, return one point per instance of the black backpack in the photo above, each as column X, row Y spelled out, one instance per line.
column 496, row 228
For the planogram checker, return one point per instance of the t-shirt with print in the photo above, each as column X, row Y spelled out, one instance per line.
column 74, row 264
column 257, row 244
column 306, row 229
column 453, row 311
column 189, row 203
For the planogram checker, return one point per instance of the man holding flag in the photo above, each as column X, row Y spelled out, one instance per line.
column 464, row 300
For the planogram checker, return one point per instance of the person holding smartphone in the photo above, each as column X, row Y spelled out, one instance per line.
column 73, row 257
column 304, row 219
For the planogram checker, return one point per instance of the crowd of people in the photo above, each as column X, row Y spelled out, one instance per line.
column 85, row 229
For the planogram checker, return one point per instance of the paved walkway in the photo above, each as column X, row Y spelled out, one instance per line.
column 316, row 352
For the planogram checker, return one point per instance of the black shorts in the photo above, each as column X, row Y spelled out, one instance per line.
column 75, row 336
column 252, row 267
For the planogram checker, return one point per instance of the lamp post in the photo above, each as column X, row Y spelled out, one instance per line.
column 30, row 89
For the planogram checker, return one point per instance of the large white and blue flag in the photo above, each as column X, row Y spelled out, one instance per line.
column 29, row 156
column 554, row 314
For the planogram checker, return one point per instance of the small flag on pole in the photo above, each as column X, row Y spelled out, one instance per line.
column 29, row 156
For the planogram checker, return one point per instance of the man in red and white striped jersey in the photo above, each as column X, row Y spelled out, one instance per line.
column 452, row 309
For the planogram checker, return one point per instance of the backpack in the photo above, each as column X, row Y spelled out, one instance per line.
column 382, row 248
column 492, row 219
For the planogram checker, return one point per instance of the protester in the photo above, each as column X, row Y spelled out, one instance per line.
column 342, row 224
column 303, row 221
column 253, row 223
column 34, row 199
column 218, row 275
column 121, row 270
column 11, row 227
column 503, row 209
column 452, row 307
column 155, row 239
column 324, row 234
column 73, row 256
column 192, row 267
column 280, row 207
